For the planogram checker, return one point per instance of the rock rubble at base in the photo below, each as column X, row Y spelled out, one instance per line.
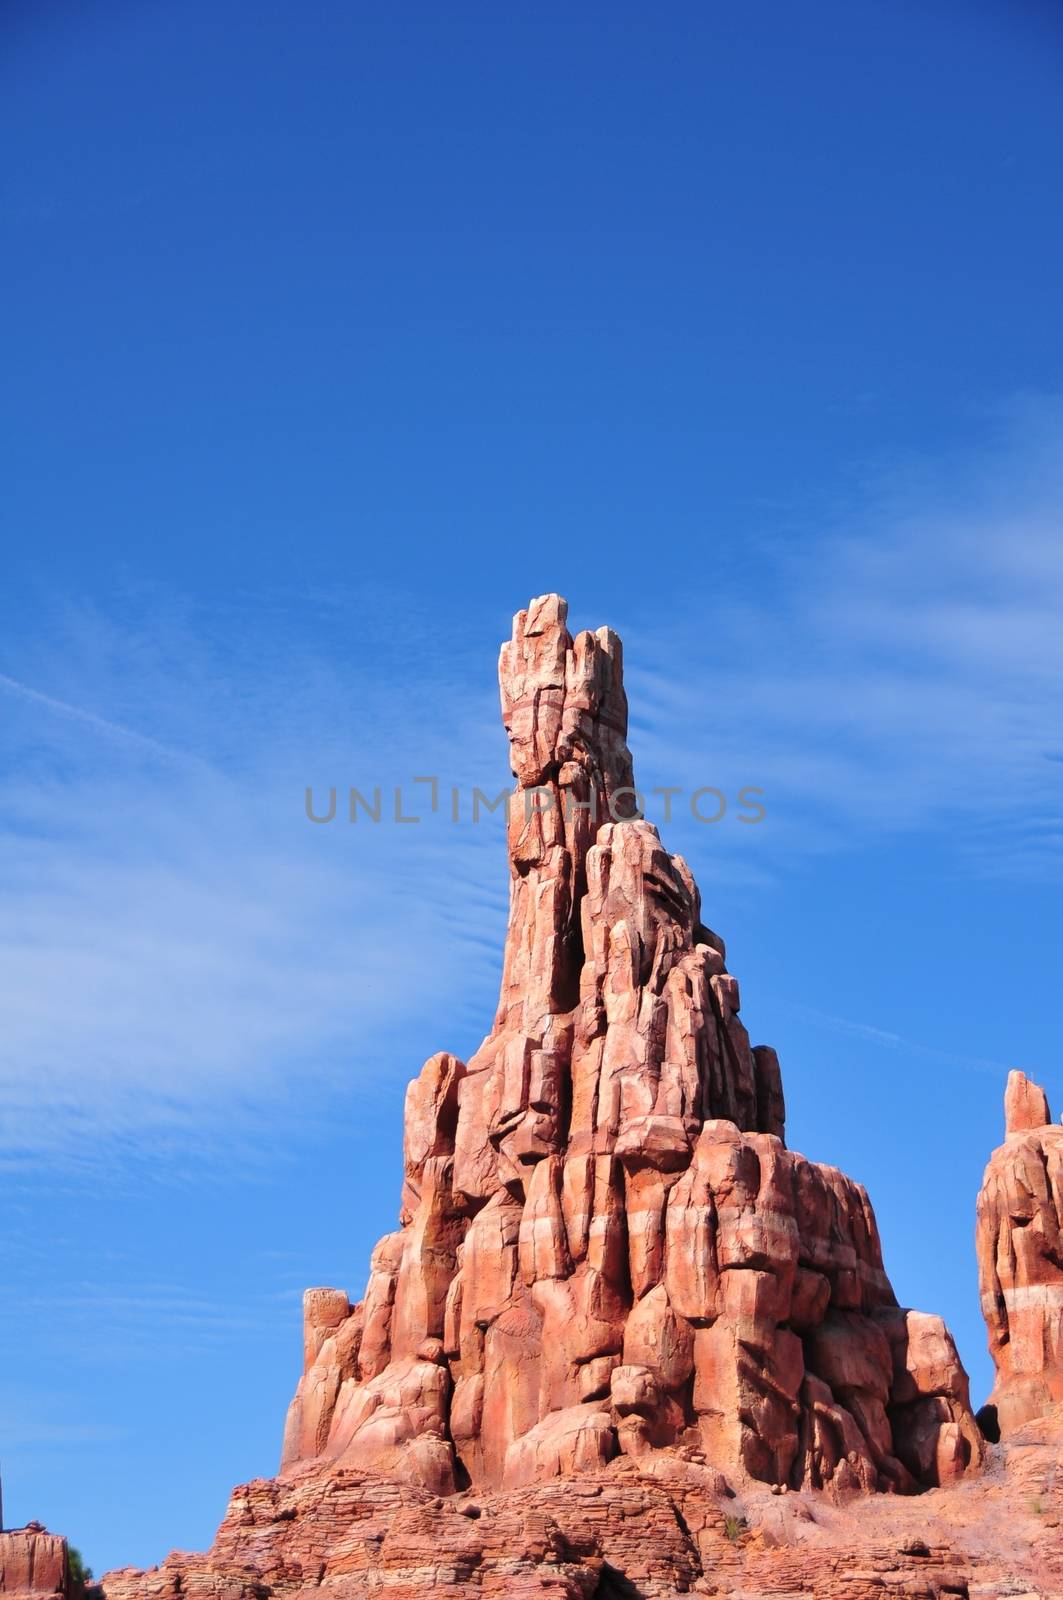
column 649, row 1530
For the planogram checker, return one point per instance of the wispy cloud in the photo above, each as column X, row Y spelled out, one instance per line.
column 28, row 1432
column 94, row 723
column 174, row 934
column 181, row 951
column 890, row 1040
column 903, row 671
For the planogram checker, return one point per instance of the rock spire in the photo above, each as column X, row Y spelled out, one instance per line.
column 605, row 1247
column 1020, row 1257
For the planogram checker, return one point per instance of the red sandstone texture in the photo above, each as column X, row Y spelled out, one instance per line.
column 33, row 1562
column 605, row 1247
column 648, row 1530
column 624, row 1342
column 1020, row 1257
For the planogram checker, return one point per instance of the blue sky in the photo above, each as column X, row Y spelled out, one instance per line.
column 335, row 333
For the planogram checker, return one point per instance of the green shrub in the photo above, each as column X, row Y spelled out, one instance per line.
column 79, row 1572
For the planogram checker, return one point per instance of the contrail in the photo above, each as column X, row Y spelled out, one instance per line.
column 110, row 730
column 896, row 1041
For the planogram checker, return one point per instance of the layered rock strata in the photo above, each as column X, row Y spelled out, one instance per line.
column 1020, row 1257
column 649, row 1530
column 605, row 1247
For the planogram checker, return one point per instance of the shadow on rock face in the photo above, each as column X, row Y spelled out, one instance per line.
column 989, row 1423
column 612, row 1585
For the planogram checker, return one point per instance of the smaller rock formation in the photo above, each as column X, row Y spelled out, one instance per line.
column 34, row 1562
column 1020, row 1258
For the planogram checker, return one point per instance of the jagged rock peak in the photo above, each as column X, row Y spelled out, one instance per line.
column 562, row 698
column 1020, row 1257
column 1025, row 1104
column 604, row 1245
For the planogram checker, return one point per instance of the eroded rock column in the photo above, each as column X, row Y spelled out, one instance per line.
column 1020, row 1257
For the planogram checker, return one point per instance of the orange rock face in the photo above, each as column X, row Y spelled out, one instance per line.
column 33, row 1562
column 605, row 1248
column 1020, row 1257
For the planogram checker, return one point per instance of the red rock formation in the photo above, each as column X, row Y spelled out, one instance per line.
column 33, row 1562
column 1020, row 1257
column 615, row 1299
column 604, row 1245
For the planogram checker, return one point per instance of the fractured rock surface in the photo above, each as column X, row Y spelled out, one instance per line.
column 1020, row 1257
column 651, row 1529
column 605, row 1248
column 33, row 1562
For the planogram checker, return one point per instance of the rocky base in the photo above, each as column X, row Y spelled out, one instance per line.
column 644, row 1533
